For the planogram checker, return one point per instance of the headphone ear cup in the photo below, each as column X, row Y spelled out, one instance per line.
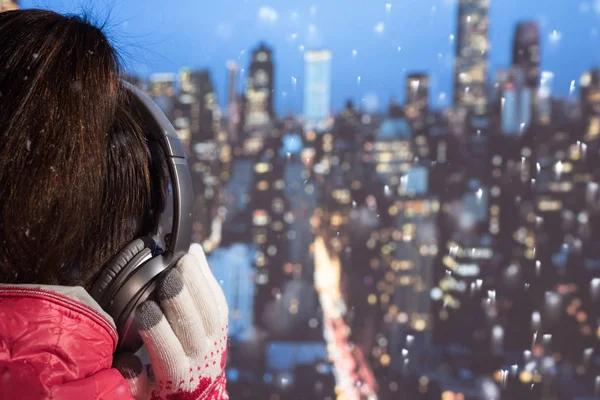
column 118, row 263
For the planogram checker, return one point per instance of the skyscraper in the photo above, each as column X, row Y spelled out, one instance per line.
column 472, row 45
column 317, row 87
column 590, row 102
column 516, row 103
column 544, row 98
column 509, row 109
column 417, row 99
column 233, row 102
column 269, row 228
column 393, row 152
column 8, row 5
column 408, row 251
column 232, row 69
column 526, row 52
column 198, row 91
column 259, row 88
column 198, row 108
column 406, row 241
column 590, row 87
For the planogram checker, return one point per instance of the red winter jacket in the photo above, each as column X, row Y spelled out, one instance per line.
column 56, row 343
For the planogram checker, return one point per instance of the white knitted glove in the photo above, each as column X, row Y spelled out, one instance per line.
column 186, row 337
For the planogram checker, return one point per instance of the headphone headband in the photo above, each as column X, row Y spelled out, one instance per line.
column 161, row 129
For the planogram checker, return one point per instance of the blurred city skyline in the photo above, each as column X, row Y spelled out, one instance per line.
column 414, row 253
column 380, row 42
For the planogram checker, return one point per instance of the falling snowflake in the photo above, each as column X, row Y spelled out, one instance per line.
column 572, row 87
column 268, row 14
column 555, row 37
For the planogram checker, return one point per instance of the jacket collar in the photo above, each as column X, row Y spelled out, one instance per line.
column 76, row 293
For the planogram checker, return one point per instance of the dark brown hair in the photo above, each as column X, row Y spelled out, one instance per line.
column 77, row 180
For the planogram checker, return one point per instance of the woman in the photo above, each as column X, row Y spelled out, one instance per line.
column 78, row 181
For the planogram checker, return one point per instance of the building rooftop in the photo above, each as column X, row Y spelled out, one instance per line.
column 397, row 128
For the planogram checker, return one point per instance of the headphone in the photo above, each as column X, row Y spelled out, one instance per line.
column 130, row 277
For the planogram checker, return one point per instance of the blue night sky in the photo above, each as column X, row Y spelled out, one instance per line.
column 162, row 36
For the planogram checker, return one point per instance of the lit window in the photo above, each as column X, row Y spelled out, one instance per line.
column 385, row 360
column 260, row 217
column 419, row 324
column 261, row 168
column 372, row 299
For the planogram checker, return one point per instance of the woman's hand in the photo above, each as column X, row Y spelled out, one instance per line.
column 185, row 336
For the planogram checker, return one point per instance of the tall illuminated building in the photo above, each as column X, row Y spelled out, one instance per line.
column 392, row 152
column 260, row 88
column 233, row 102
column 317, row 87
column 590, row 93
column 232, row 70
column 516, row 104
column 196, row 89
column 525, row 77
column 590, row 103
column 543, row 102
column 8, row 5
column 590, row 107
column 472, row 45
column 408, row 252
column 269, row 234
column 197, row 118
column 526, row 52
column 407, row 243
column 417, row 99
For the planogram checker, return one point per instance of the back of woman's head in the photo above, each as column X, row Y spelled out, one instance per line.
column 75, row 168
